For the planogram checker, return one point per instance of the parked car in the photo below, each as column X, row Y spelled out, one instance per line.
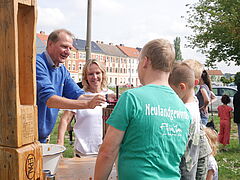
column 219, row 91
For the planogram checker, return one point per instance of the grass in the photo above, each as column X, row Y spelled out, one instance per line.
column 69, row 153
column 228, row 162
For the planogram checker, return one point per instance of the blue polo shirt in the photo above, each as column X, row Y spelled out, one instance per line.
column 51, row 81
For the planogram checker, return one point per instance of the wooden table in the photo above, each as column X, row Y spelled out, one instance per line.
column 79, row 169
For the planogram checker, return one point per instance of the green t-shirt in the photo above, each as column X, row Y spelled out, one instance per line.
column 156, row 124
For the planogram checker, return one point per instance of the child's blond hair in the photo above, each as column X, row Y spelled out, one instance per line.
column 212, row 137
column 196, row 66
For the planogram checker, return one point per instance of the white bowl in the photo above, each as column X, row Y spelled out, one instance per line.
column 51, row 156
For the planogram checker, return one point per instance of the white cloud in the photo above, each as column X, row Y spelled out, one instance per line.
column 107, row 6
column 129, row 22
column 50, row 18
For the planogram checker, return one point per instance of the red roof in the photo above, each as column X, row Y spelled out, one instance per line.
column 215, row 72
column 43, row 37
column 129, row 51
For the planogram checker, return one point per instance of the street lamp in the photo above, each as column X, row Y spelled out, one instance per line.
column 89, row 29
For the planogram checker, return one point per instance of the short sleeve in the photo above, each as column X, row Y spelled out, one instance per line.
column 123, row 112
column 212, row 164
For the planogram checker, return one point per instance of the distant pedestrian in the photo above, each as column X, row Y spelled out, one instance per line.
column 80, row 84
column 236, row 104
column 225, row 114
column 204, row 96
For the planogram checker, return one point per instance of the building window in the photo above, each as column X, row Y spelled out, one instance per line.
column 73, row 66
column 69, row 66
column 82, row 55
column 74, row 55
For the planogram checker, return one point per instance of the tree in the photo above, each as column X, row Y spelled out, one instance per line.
column 237, row 78
column 178, row 53
column 216, row 28
column 226, row 81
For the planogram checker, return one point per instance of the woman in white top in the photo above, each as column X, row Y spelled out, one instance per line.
column 88, row 128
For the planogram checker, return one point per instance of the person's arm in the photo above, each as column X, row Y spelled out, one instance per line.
column 206, row 99
column 64, row 103
column 108, row 153
column 210, row 174
column 231, row 115
column 62, row 127
column 218, row 108
column 213, row 97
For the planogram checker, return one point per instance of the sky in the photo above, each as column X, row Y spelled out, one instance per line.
column 129, row 22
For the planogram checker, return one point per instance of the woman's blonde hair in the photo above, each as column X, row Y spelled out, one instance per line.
column 212, row 137
column 86, row 67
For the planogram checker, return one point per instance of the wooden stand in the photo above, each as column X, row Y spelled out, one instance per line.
column 21, row 163
column 20, row 154
column 106, row 114
column 18, row 123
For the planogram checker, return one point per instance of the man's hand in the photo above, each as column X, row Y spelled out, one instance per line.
column 111, row 97
column 96, row 100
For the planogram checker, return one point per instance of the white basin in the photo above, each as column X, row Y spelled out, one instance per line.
column 51, row 156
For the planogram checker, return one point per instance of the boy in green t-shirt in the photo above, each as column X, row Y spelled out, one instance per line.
column 149, row 125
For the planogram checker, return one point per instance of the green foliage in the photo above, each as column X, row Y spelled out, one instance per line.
column 228, row 161
column 216, row 28
column 237, row 78
column 69, row 153
column 178, row 53
column 226, row 81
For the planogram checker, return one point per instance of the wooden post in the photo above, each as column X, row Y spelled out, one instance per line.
column 18, row 123
column 20, row 152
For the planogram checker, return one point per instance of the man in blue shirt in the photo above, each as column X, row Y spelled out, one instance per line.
column 55, row 87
